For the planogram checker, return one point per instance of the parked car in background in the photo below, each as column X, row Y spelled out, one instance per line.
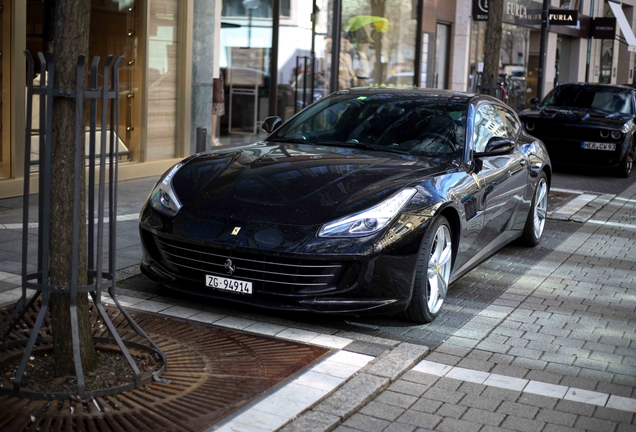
column 368, row 201
column 589, row 125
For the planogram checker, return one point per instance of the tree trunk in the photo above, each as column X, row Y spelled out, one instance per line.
column 493, row 45
column 72, row 20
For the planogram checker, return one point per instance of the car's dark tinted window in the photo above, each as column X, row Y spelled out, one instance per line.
column 423, row 126
column 604, row 99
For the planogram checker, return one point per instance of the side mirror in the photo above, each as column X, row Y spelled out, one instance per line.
column 270, row 124
column 534, row 101
column 497, row 146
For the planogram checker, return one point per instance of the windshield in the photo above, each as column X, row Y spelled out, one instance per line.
column 414, row 124
column 602, row 99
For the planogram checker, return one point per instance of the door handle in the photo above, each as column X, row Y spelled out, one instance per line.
column 522, row 162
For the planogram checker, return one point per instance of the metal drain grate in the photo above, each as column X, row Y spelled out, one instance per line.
column 212, row 373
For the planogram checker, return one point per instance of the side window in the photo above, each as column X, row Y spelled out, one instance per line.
column 488, row 123
column 512, row 125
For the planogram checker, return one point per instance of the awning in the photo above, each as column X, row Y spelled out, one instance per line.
column 626, row 28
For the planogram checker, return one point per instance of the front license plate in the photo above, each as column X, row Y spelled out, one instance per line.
column 599, row 146
column 226, row 284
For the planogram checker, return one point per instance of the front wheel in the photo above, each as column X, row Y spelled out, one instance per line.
column 433, row 273
column 538, row 213
column 625, row 168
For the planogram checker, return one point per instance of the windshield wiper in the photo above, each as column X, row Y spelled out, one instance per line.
column 362, row 145
column 291, row 140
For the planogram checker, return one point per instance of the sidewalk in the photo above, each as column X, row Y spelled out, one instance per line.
column 555, row 350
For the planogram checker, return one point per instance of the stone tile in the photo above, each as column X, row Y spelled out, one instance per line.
column 484, row 417
column 297, row 335
column 278, row 405
column 400, row 400
column 349, row 358
column 355, row 393
column 432, row 368
column 451, row 410
column 382, row 411
column 585, row 396
column 151, row 306
column 596, row 425
column 312, row 421
column 454, row 425
column 407, row 387
column 418, row 418
column 234, row 323
column 519, row 410
column 521, row 424
column 318, row 380
column 206, row 317
column 300, row 393
column 509, row 383
column 258, row 420
column 329, row 341
column 335, row 369
column 467, row 375
column 621, row 403
column 366, row 423
column 545, row 389
column 396, row 361
column 180, row 312
column 556, row 417
column 265, row 328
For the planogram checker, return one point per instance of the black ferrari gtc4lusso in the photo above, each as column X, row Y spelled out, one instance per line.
column 368, row 201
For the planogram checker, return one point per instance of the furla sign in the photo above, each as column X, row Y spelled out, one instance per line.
column 562, row 17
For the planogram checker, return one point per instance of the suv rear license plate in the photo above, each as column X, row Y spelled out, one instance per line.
column 599, row 146
column 226, row 284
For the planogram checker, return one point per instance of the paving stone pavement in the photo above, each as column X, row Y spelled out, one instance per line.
column 533, row 339
column 565, row 330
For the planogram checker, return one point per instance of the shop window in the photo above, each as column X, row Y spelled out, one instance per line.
column 379, row 43
column 442, row 48
column 235, row 8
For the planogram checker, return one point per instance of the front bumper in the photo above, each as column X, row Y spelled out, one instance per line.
column 571, row 152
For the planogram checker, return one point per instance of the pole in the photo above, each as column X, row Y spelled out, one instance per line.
column 589, row 45
column 273, row 58
column 335, row 46
column 542, row 51
column 249, row 27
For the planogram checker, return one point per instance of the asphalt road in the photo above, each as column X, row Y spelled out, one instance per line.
column 588, row 180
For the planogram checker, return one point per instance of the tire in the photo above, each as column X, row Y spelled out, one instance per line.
column 537, row 215
column 432, row 273
column 627, row 164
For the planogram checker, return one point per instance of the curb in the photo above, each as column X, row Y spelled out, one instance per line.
column 358, row 391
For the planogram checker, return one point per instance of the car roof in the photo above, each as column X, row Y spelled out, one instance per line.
column 596, row 85
column 449, row 95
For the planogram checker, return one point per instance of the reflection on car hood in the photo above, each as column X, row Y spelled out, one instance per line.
column 297, row 184
column 574, row 115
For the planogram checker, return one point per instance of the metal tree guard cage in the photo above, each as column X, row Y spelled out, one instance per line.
column 97, row 277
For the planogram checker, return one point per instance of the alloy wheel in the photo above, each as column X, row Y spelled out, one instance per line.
column 540, row 207
column 439, row 267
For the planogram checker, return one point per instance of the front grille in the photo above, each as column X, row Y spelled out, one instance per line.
column 269, row 273
column 556, row 130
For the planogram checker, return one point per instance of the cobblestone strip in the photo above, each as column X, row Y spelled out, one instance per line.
column 360, row 390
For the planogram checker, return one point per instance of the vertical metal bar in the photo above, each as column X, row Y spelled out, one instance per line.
column 313, row 78
column 75, row 248
column 45, row 204
column 41, row 138
column 46, row 193
column 296, row 84
column 27, row 169
column 335, row 45
column 305, row 81
column 273, row 65
column 91, row 167
column 114, row 164
column 419, row 41
column 102, row 175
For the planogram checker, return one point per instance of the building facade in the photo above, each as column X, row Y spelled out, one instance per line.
column 275, row 64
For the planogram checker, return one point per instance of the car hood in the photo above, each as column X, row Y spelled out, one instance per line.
column 294, row 184
column 576, row 116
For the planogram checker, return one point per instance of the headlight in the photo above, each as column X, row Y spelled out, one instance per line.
column 616, row 134
column 627, row 126
column 530, row 126
column 368, row 221
column 163, row 197
column 604, row 133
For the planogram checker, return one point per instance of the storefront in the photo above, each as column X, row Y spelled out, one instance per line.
column 379, row 43
column 520, row 46
column 149, row 34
